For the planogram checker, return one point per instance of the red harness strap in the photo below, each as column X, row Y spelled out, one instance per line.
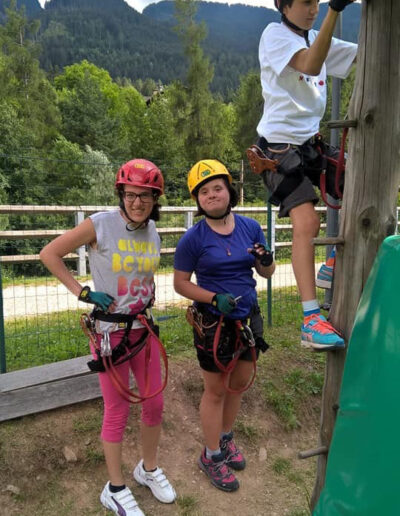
column 239, row 347
column 340, row 168
column 127, row 393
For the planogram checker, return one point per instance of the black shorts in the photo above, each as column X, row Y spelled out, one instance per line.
column 299, row 171
column 226, row 347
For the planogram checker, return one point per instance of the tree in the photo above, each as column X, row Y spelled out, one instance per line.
column 199, row 117
column 248, row 104
column 22, row 84
column 90, row 107
column 370, row 194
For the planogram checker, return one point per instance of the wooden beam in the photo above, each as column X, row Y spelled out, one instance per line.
column 44, row 374
column 31, row 400
column 328, row 241
column 338, row 124
column 321, row 450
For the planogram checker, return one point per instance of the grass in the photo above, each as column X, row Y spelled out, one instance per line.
column 57, row 336
column 187, row 505
column 247, row 430
column 88, row 423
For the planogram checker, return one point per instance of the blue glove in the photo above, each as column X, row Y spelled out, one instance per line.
column 100, row 299
column 225, row 303
column 339, row 5
column 266, row 257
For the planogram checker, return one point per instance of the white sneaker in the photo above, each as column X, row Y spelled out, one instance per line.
column 122, row 503
column 156, row 481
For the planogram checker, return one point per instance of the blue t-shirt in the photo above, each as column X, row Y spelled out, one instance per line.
column 221, row 262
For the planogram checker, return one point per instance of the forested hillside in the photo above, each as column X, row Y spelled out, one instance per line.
column 32, row 7
column 63, row 134
column 239, row 27
column 128, row 44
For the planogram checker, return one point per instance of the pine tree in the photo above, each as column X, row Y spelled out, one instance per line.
column 199, row 117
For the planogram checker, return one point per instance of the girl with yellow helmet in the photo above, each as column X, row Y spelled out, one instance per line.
column 222, row 249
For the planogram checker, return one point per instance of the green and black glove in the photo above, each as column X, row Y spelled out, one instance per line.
column 225, row 303
column 266, row 257
column 100, row 299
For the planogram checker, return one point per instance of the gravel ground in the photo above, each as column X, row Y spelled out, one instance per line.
column 24, row 300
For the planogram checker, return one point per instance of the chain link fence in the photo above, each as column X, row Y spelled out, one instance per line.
column 39, row 318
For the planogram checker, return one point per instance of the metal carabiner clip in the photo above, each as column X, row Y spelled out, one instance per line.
column 105, row 345
column 249, row 335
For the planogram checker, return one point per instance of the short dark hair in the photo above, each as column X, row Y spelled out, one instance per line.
column 233, row 195
column 281, row 4
column 155, row 212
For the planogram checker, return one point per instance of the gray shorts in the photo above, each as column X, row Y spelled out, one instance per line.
column 300, row 167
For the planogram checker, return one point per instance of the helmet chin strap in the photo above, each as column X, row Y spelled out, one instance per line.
column 220, row 216
column 132, row 225
column 296, row 28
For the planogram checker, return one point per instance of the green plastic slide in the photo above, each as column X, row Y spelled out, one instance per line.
column 363, row 470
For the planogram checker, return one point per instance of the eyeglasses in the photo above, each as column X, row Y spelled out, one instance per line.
column 144, row 197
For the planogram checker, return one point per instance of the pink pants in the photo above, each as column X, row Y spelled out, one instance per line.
column 116, row 408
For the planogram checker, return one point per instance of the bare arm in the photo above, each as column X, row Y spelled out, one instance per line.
column 52, row 254
column 185, row 287
column 265, row 272
column 310, row 60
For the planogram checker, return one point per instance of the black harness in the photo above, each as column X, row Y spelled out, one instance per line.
column 123, row 351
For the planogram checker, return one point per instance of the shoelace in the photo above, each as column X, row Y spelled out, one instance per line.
column 232, row 449
column 322, row 326
column 221, row 468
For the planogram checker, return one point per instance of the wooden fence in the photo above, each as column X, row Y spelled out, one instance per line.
column 79, row 213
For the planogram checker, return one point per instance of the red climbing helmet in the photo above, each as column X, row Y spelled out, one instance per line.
column 140, row 172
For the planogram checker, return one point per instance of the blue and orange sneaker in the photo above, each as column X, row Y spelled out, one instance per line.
column 233, row 457
column 218, row 472
column 325, row 274
column 319, row 334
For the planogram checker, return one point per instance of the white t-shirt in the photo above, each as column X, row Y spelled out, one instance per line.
column 294, row 103
column 123, row 263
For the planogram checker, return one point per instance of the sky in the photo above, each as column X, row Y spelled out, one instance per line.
column 139, row 5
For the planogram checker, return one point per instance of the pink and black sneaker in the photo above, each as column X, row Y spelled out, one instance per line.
column 218, row 472
column 233, row 456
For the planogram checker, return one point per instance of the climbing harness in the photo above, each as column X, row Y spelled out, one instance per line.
column 340, row 165
column 244, row 339
column 287, row 164
column 259, row 162
column 108, row 359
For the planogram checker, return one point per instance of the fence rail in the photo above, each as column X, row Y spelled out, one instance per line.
column 80, row 211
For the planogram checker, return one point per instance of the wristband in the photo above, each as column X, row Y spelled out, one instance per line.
column 84, row 294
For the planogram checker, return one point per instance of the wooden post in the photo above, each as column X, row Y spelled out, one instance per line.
column 241, row 183
column 81, row 261
column 372, row 180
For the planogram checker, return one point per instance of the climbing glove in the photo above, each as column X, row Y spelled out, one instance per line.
column 339, row 5
column 225, row 303
column 100, row 299
column 265, row 258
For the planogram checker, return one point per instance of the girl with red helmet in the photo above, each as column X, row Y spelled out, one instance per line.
column 124, row 252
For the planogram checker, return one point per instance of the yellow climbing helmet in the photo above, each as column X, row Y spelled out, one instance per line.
column 205, row 170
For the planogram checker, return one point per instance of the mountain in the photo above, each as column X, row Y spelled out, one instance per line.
column 111, row 35
column 32, row 7
column 114, row 36
column 240, row 26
